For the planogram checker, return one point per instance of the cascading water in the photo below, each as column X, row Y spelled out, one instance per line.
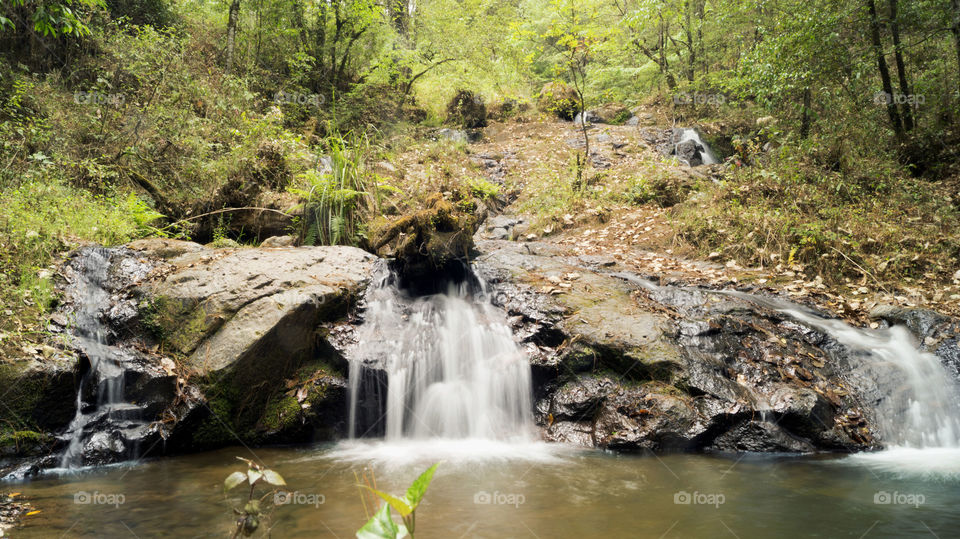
column 103, row 384
column 452, row 367
column 919, row 415
column 916, row 404
column 454, row 375
column 921, row 404
column 703, row 150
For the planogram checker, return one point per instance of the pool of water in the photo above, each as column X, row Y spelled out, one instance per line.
column 532, row 491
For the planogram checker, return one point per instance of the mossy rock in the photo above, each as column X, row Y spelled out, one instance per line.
column 434, row 240
column 17, row 443
column 309, row 404
column 467, row 110
column 558, row 99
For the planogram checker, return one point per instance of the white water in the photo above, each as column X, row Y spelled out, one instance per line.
column 456, row 378
column 919, row 415
column 922, row 409
column 91, row 338
column 706, row 153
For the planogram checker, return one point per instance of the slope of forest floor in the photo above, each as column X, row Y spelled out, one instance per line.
column 845, row 254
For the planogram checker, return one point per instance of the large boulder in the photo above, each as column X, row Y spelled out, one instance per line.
column 248, row 308
column 467, row 110
column 435, row 240
column 622, row 363
column 558, row 99
column 245, row 323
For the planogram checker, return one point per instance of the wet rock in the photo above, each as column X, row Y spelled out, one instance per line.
column 759, row 437
column 631, row 365
column 689, row 152
column 934, row 332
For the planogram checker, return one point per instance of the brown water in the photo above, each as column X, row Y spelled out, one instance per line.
column 554, row 493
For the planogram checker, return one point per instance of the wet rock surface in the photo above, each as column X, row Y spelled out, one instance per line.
column 935, row 333
column 208, row 347
column 622, row 363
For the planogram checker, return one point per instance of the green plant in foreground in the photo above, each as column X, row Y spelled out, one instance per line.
column 381, row 525
column 248, row 519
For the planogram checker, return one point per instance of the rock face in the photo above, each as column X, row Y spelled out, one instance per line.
column 624, row 364
column 245, row 324
column 212, row 346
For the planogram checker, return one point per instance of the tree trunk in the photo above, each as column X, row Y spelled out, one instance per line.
column 884, row 71
column 956, row 36
column 399, row 16
column 688, row 31
column 805, row 121
column 664, row 66
column 232, row 32
column 901, row 70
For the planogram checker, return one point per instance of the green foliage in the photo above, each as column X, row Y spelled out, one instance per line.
column 382, row 526
column 334, row 201
column 51, row 19
column 249, row 518
column 793, row 211
column 482, row 188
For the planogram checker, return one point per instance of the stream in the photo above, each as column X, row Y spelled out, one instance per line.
column 550, row 491
column 439, row 378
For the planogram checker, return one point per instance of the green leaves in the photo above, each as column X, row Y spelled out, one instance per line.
column 382, row 526
column 400, row 505
column 419, row 487
column 273, row 478
column 234, row 480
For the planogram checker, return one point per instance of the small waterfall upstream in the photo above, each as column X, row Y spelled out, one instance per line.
column 454, row 376
column 701, row 154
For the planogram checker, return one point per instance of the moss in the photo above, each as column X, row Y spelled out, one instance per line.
column 240, row 412
column 22, row 442
column 218, row 427
column 23, row 394
column 179, row 327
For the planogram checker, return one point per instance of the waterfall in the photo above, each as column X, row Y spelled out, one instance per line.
column 921, row 408
column 452, row 368
column 921, row 404
column 705, row 154
column 100, row 396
